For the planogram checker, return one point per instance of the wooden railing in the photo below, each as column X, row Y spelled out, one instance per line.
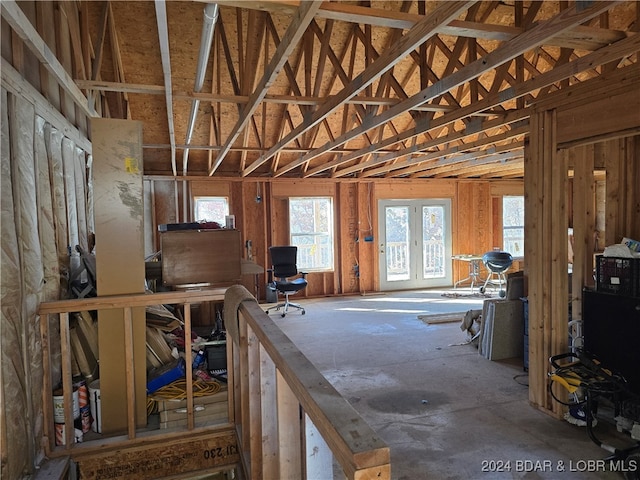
column 289, row 421
column 126, row 303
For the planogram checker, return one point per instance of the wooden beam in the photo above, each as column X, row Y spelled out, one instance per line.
column 290, row 40
column 506, row 52
column 617, row 50
column 437, row 142
column 417, row 35
column 17, row 20
column 579, row 37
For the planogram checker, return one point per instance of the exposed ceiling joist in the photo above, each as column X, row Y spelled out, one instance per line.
column 414, row 37
column 294, row 33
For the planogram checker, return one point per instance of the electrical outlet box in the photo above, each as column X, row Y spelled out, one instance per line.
column 368, row 238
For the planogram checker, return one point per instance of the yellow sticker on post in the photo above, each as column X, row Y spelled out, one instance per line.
column 131, row 165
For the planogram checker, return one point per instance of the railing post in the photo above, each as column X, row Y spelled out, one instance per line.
column 47, row 387
column 269, row 412
column 289, row 431
column 255, row 401
column 242, row 392
column 129, row 373
column 188, row 358
column 67, row 387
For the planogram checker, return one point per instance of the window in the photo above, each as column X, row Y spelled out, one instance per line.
column 513, row 225
column 311, row 227
column 210, row 209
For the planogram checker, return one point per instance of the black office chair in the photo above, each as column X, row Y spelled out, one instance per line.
column 497, row 264
column 281, row 276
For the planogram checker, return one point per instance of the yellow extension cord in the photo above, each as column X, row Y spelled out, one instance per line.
column 178, row 391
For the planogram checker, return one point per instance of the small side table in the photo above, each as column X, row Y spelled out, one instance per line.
column 474, row 262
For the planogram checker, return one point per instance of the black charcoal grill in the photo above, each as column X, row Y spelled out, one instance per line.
column 497, row 263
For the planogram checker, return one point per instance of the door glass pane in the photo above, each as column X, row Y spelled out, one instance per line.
column 397, row 243
column 433, row 242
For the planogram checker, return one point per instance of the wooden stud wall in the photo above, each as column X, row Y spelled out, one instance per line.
column 584, row 224
column 266, row 222
column 547, row 159
column 545, row 196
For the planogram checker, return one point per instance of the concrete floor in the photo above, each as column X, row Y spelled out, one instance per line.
column 445, row 411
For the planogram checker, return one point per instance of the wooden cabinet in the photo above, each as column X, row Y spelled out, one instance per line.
column 201, row 256
column 611, row 326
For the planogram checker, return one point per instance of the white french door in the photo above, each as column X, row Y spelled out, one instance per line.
column 415, row 243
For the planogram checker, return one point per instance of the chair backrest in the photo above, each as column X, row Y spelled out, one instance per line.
column 284, row 260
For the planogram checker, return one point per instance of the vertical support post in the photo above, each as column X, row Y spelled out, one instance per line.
column 270, row 465
column 47, row 387
column 546, row 251
column 289, row 432
column 188, row 358
column 255, row 400
column 129, row 373
column 67, row 387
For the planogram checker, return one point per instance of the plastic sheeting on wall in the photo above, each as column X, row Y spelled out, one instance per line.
column 18, row 300
column 68, row 161
column 39, row 225
column 53, row 142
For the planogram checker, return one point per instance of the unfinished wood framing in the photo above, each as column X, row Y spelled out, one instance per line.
column 552, row 145
column 465, row 101
column 287, row 392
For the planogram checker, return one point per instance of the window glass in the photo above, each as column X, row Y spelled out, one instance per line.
column 513, row 225
column 311, row 230
column 210, row 209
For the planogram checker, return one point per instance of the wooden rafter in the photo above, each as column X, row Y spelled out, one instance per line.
column 295, row 31
column 417, row 35
column 28, row 34
column 502, row 54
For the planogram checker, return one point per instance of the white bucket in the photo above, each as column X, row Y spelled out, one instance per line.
column 96, row 404
column 58, row 406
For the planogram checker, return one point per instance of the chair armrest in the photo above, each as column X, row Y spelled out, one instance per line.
column 269, row 275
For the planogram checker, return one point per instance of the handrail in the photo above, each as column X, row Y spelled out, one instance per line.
column 131, row 300
column 271, row 369
column 290, row 422
column 126, row 303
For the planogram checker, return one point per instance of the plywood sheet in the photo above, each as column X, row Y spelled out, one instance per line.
column 120, row 268
column 172, row 457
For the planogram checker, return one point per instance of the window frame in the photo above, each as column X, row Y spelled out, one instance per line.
column 330, row 234
column 197, row 198
column 519, row 247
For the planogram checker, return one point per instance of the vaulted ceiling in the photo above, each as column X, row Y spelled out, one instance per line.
column 286, row 88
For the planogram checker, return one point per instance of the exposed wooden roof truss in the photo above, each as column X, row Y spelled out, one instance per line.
column 336, row 89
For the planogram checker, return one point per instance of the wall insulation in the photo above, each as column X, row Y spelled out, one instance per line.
column 41, row 170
